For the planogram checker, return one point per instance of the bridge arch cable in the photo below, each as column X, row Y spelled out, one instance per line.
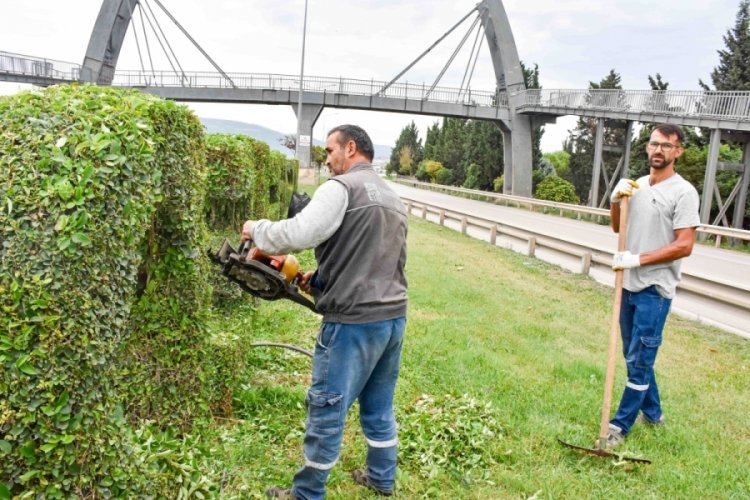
column 135, row 36
column 144, row 17
column 475, row 56
column 197, row 46
column 146, row 43
column 451, row 58
column 183, row 77
column 419, row 58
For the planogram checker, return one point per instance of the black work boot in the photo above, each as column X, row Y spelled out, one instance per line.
column 360, row 477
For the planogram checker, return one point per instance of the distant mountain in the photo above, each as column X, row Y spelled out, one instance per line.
column 271, row 137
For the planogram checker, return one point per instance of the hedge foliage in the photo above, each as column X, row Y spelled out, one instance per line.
column 103, row 292
column 246, row 180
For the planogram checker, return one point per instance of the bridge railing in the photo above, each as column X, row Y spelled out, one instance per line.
column 339, row 85
column 715, row 104
column 38, row 67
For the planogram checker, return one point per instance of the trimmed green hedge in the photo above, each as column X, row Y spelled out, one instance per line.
column 246, row 180
column 102, row 285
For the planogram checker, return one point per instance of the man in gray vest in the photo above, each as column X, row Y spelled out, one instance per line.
column 662, row 221
column 357, row 225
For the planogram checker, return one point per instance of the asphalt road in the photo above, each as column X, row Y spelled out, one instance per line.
column 720, row 265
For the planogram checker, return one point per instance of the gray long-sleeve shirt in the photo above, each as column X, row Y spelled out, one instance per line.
column 312, row 226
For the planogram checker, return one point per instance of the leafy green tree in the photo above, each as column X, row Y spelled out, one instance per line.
column 560, row 160
column 405, row 160
column 319, row 156
column 409, row 137
column 428, row 170
column 554, row 188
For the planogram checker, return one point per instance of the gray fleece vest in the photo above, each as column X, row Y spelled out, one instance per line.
column 360, row 274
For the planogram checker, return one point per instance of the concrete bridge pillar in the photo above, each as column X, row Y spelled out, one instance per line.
column 508, row 162
column 305, row 122
column 510, row 78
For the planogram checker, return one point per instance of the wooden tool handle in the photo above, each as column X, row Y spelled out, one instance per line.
column 614, row 327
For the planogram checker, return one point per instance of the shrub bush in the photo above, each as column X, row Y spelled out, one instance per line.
column 444, row 176
column 102, row 286
column 555, row 188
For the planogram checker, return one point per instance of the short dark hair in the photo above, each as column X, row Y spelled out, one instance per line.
column 358, row 135
column 669, row 129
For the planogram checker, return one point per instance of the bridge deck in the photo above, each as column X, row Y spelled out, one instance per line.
column 721, row 110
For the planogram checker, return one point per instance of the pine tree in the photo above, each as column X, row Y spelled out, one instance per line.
column 483, row 154
column 531, row 77
column 580, row 145
column 451, row 149
column 733, row 71
column 432, row 142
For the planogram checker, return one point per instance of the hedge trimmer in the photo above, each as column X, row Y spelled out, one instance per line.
column 269, row 277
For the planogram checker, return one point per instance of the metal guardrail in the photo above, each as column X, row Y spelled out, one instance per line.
column 709, row 104
column 704, row 287
column 600, row 215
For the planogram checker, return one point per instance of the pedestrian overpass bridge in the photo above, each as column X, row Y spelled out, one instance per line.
column 710, row 109
column 515, row 109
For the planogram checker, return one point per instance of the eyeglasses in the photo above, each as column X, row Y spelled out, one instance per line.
column 665, row 146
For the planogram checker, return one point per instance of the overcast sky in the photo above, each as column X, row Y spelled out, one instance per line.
column 572, row 41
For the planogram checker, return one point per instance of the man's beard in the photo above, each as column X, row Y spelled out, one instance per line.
column 662, row 162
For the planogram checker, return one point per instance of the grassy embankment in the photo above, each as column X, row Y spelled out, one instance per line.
column 503, row 355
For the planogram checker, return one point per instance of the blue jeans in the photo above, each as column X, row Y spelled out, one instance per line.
column 352, row 362
column 642, row 318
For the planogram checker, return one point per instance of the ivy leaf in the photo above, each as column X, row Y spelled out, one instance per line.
column 63, row 243
column 23, row 365
column 62, row 221
column 81, row 238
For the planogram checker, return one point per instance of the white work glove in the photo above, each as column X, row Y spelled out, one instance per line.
column 625, row 260
column 624, row 187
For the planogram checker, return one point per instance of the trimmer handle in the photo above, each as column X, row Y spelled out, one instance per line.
column 245, row 246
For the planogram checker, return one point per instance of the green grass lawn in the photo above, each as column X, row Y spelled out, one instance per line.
column 503, row 355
